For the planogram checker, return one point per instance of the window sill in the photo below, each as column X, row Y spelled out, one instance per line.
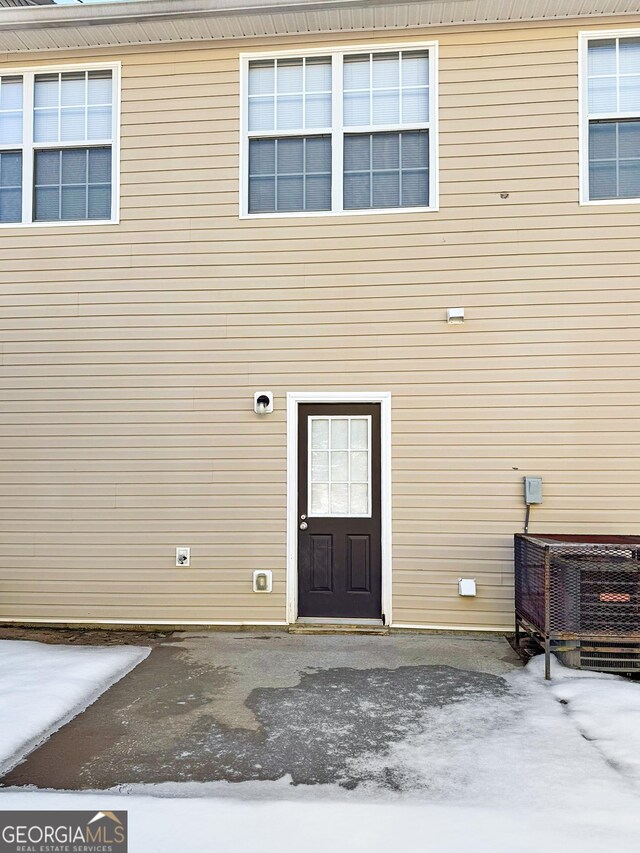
column 599, row 202
column 80, row 223
column 305, row 214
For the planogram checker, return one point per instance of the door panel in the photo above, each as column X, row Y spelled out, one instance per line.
column 321, row 563
column 339, row 508
column 358, row 564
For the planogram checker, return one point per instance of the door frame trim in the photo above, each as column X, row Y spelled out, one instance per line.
column 294, row 399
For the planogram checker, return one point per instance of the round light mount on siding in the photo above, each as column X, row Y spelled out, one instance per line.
column 263, row 402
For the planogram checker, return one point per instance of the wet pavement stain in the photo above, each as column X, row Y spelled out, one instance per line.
column 314, row 732
column 210, row 709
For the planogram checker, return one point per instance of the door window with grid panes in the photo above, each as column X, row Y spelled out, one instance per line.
column 339, row 466
column 340, row 133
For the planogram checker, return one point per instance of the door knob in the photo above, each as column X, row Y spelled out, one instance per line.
column 303, row 525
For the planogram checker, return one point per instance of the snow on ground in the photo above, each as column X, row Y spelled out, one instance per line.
column 233, row 825
column 552, row 766
column 45, row 686
column 605, row 710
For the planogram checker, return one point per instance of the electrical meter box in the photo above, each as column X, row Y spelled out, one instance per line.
column 533, row 490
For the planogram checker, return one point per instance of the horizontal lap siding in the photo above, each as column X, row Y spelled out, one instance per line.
column 130, row 353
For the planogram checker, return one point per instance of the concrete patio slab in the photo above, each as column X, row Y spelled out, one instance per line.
column 251, row 706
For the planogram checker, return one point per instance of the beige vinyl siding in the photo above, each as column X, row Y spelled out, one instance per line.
column 130, row 353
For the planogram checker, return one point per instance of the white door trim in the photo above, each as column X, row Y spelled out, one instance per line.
column 294, row 399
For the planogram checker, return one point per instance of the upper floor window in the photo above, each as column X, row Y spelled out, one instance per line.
column 58, row 139
column 346, row 131
column 611, row 119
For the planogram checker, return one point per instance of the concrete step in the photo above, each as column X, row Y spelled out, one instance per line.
column 311, row 628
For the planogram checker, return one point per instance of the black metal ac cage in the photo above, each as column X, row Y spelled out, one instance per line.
column 579, row 596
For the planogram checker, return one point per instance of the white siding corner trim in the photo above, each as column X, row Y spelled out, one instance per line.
column 294, row 399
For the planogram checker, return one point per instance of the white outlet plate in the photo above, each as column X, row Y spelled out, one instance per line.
column 183, row 557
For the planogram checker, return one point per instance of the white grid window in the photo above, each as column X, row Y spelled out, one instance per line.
column 290, row 94
column 11, row 132
column 386, row 89
column 11, row 110
column 10, row 186
column 289, row 170
column 611, row 119
column 339, row 471
column 368, row 116
column 75, row 106
column 58, row 145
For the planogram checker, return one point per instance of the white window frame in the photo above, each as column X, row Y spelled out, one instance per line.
column 28, row 147
column 338, row 131
column 585, row 117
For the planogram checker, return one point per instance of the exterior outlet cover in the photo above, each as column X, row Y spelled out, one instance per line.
column 467, row 586
column 183, row 557
column 262, row 580
column 533, row 490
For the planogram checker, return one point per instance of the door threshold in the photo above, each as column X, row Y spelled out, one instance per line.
column 339, row 626
column 328, row 620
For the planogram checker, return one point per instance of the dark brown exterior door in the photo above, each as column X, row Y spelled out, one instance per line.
column 339, row 547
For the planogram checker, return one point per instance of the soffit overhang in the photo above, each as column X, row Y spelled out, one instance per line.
column 147, row 22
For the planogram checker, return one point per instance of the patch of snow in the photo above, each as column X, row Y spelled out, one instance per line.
column 604, row 708
column 45, row 686
column 527, row 748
